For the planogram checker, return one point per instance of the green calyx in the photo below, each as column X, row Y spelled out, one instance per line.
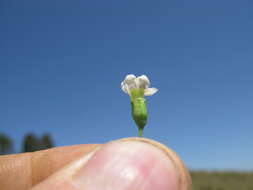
column 139, row 109
column 136, row 93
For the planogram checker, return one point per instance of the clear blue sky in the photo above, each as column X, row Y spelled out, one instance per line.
column 61, row 64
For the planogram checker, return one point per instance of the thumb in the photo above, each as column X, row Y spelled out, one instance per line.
column 125, row 164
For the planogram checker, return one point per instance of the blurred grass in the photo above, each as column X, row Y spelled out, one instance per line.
column 204, row 180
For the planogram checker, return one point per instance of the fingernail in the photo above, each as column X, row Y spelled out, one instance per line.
column 125, row 165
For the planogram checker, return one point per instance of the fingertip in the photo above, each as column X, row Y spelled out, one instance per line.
column 130, row 163
column 184, row 178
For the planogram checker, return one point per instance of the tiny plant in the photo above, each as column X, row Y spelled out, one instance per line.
column 137, row 88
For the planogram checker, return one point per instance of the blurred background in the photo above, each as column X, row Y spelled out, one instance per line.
column 62, row 62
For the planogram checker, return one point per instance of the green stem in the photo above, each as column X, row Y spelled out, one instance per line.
column 140, row 132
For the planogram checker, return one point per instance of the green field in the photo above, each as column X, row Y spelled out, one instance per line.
column 203, row 180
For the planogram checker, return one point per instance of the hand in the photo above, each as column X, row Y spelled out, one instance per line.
column 125, row 164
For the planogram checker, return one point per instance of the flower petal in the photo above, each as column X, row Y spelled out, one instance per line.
column 137, row 82
column 150, row 91
column 143, row 81
column 123, row 87
column 129, row 79
column 130, row 82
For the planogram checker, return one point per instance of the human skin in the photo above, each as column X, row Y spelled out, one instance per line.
column 75, row 167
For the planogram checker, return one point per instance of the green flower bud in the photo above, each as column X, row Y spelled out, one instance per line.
column 139, row 113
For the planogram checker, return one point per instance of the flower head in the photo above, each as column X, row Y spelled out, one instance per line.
column 132, row 83
column 137, row 88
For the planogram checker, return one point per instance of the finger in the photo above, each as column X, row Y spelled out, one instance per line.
column 22, row 171
column 126, row 164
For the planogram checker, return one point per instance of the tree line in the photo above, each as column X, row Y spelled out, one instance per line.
column 30, row 143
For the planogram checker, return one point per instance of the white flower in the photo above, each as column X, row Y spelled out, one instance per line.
column 142, row 82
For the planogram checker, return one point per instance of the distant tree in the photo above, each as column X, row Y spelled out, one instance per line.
column 30, row 143
column 46, row 142
column 6, row 144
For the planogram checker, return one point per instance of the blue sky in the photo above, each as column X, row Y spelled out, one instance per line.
column 61, row 64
